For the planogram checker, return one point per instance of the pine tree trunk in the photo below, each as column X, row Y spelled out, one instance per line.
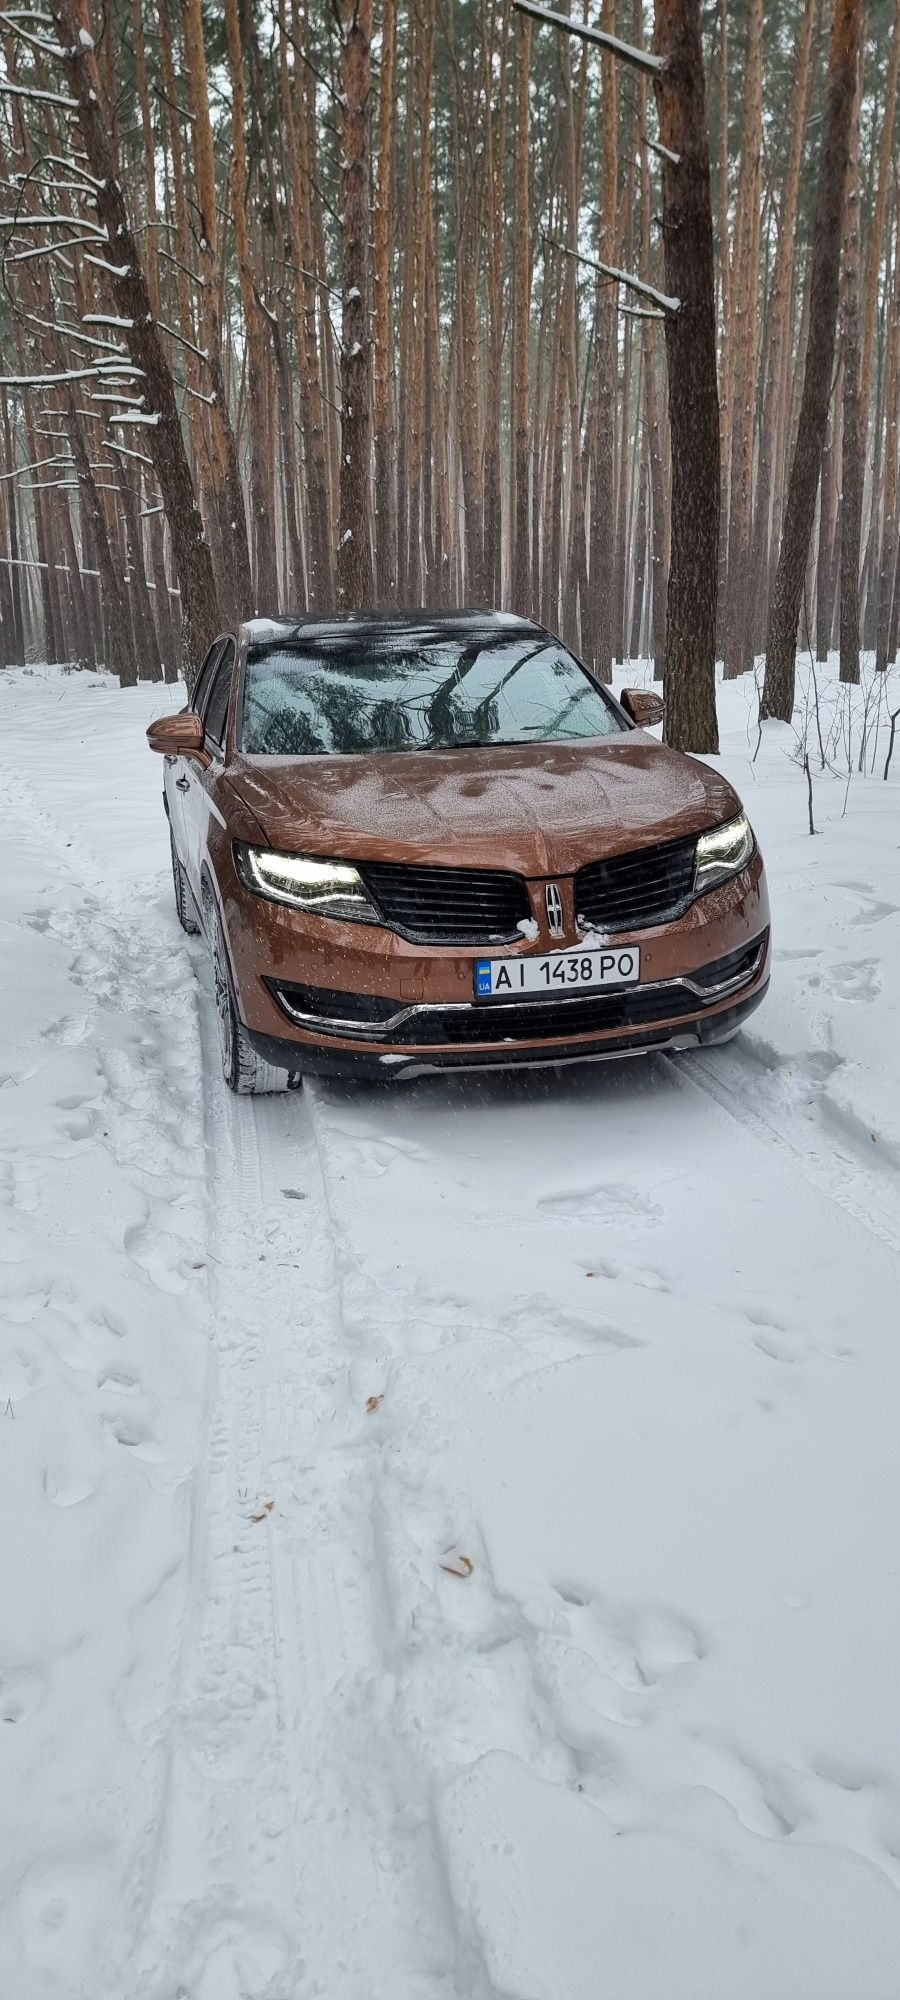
column 191, row 551
column 265, row 575
column 495, row 172
column 319, row 568
column 522, row 593
column 12, row 506
column 885, row 572
column 385, row 441
column 236, row 588
column 851, row 466
column 418, row 223
column 690, row 655
column 828, row 509
column 781, row 294
column 744, row 297
column 599, row 640
column 120, row 653
column 355, row 585
column 878, row 222
column 781, row 641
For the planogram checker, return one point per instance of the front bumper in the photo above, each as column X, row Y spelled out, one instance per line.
column 333, row 998
column 369, row 1065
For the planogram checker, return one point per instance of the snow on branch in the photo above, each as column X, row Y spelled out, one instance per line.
column 127, row 452
column 639, row 58
column 71, row 165
column 666, row 303
column 38, row 465
column 664, row 152
column 51, row 250
column 105, row 319
column 114, row 348
column 116, row 270
column 174, row 334
column 40, row 221
column 34, row 41
column 62, row 569
column 135, row 417
column 100, row 369
column 43, row 96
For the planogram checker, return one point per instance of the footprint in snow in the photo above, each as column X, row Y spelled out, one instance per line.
column 20, row 1692
column 67, row 1489
column 635, row 1643
column 875, row 913
column 603, row 1201
column 858, row 980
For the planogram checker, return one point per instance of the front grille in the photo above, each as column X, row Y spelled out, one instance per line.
column 447, row 905
column 630, row 891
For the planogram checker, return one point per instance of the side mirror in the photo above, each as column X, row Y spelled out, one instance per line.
column 177, row 735
column 644, row 707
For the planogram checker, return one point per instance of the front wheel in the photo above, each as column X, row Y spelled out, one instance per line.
column 246, row 1073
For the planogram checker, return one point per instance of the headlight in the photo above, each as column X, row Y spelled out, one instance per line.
column 723, row 852
column 329, row 888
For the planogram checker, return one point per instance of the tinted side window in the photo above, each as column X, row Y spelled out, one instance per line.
column 201, row 685
column 217, row 703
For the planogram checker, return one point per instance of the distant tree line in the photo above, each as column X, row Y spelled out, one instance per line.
column 322, row 305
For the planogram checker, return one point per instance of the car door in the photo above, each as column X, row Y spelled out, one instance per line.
column 178, row 770
column 200, row 799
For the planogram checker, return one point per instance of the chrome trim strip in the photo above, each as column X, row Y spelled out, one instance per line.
column 378, row 1030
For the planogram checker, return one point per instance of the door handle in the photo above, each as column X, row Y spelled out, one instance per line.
column 184, row 784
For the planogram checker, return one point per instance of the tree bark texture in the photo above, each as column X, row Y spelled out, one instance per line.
column 690, row 664
column 354, row 568
column 191, row 551
column 781, row 641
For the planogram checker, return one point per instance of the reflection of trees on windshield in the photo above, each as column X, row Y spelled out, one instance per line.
column 324, row 717
column 438, row 696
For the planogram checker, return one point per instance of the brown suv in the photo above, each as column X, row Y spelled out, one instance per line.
column 435, row 841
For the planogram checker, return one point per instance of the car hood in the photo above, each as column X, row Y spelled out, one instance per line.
column 538, row 809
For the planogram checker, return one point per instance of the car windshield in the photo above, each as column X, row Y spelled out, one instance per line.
column 336, row 694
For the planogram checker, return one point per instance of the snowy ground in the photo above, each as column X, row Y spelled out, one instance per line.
column 450, row 1536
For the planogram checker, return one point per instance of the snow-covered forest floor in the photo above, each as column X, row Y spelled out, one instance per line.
column 450, row 1536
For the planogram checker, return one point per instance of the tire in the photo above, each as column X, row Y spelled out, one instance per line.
column 244, row 1071
column 183, row 905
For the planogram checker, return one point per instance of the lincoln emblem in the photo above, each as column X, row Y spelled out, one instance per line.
column 554, row 909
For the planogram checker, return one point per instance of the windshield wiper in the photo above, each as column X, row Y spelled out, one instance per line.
column 462, row 743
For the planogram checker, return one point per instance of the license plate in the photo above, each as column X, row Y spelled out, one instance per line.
column 572, row 971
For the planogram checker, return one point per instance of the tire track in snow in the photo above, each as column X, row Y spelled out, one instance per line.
column 123, row 959
column 731, row 1078
column 297, row 1815
column 293, row 1850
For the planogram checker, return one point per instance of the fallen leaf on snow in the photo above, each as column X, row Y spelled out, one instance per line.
column 374, row 1403
column 465, row 1567
column 267, row 1507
